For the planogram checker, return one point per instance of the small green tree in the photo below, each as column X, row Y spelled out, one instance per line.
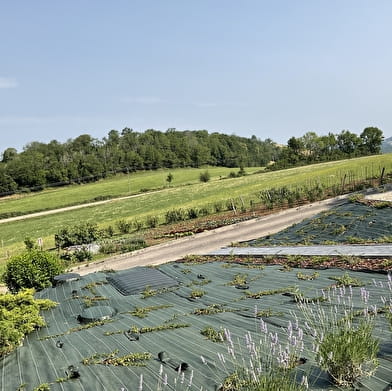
column 204, row 176
column 32, row 269
column 169, row 178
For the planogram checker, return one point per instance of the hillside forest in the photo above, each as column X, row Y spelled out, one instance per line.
column 86, row 159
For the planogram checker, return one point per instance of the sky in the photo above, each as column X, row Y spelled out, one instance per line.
column 273, row 69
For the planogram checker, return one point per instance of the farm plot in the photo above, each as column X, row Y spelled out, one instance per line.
column 179, row 333
column 349, row 223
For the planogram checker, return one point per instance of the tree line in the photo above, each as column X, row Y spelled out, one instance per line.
column 311, row 148
column 86, row 159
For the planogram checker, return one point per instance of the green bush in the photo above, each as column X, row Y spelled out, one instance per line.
column 19, row 315
column 124, row 226
column 175, row 215
column 205, row 176
column 83, row 254
column 32, row 269
column 121, row 246
column 192, row 213
column 349, row 353
column 84, row 233
column 138, row 225
column 152, row 221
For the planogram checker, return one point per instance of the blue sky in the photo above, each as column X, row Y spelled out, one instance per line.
column 275, row 69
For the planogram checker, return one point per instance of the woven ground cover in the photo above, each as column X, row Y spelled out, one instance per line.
column 170, row 320
column 348, row 223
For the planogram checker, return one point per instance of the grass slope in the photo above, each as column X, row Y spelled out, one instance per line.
column 117, row 186
column 12, row 234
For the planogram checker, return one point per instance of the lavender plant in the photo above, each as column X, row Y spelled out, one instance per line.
column 265, row 364
column 342, row 341
column 387, row 301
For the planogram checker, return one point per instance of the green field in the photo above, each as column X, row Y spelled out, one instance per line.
column 117, row 186
column 198, row 194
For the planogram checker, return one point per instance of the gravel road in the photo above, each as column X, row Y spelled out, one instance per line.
column 208, row 241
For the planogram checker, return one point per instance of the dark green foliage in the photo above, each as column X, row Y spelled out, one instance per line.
column 169, row 178
column 311, row 148
column 192, row 213
column 109, row 231
column 29, row 243
column 122, row 246
column 85, row 159
column 32, row 269
column 138, row 225
column 124, row 226
column 19, row 315
column 205, row 176
column 84, row 233
column 82, row 255
column 152, row 221
column 175, row 215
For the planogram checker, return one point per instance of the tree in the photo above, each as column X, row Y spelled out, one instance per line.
column 169, row 178
column 32, row 269
column 204, row 176
column 9, row 154
column 371, row 140
column 348, row 143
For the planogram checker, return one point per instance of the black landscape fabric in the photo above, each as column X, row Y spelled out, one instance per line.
column 72, row 355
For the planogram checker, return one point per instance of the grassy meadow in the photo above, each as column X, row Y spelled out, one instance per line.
column 195, row 194
column 117, row 186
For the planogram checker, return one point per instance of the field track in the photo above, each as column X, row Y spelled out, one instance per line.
column 73, row 207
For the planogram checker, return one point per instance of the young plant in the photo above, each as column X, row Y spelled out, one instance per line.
column 347, row 280
column 266, row 364
column 307, row 277
column 342, row 341
column 213, row 335
column 196, row 293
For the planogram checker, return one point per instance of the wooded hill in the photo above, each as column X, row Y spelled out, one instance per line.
column 86, row 159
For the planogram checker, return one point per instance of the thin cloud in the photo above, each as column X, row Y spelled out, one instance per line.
column 6, row 82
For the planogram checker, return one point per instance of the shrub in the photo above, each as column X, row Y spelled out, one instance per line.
column 109, row 231
column 344, row 346
column 84, row 233
column 192, row 213
column 204, row 211
column 138, row 225
column 349, row 353
column 124, row 226
column 174, row 216
column 29, row 243
column 83, row 254
column 218, row 206
column 152, row 221
column 124, row 245
column 32, row 269
column 204, row 176
column 19, row 315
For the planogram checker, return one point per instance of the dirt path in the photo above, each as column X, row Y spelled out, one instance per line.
column 73, row 207
column 209, row 241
